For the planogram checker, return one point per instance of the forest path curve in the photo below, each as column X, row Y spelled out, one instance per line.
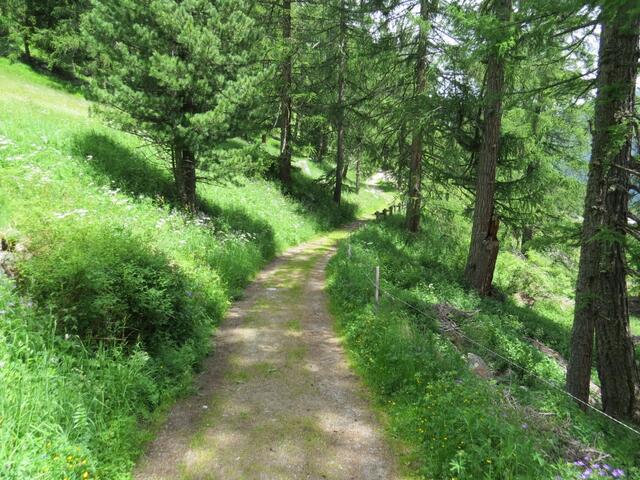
column 276, row 399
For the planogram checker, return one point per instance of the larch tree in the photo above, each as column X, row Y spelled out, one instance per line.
column 483, row 249
column 175, row 73
column 601, row 291
column 340, row 101
column 286, row 69
column 415, row 155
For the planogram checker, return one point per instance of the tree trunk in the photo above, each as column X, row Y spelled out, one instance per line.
column 296, row 130
column 402, row 154
column 527, row 236
column 185, row 176
column 358, row 175
column 342, row 46
column 264, row 138
column 414, row 199
column 484, row 246
column 321, row 147
column 27, row 50
column 285, row 99
column 345, row 170
column 601, row 291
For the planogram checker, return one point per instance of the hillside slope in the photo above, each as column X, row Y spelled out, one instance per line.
column 473, row 385
column 110, row 292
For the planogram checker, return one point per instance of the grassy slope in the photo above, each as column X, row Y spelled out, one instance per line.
column 456, row 425
column 92, row 208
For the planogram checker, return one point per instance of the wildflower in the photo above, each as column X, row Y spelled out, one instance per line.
column 587, row 473
column 617, row 473
column 579, row 463
column 85, row 475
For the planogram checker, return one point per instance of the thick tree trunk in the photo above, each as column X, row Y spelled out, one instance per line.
column 414, row 194
column 285, row 99
column 342, row 64
column 601, row 291
column 484, row 246
column 185, row 176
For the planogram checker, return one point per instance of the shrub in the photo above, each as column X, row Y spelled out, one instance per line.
column 104, row 284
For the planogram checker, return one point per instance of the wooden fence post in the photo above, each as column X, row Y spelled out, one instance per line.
column 377, row 285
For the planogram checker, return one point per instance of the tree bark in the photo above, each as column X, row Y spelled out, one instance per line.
column 342, row 63
column 358, row 175
column 185, row 176
column 285, row 99
column 27, row 50
column 484, row 246
column 414, row 199
column 296, row 130
column 601, row 291
column 321, row 147
column 402, row 155
column 526, row 237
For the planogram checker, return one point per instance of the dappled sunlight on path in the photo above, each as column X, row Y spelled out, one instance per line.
column 277, row 399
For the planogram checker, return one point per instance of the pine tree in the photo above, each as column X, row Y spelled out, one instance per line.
column 49, row 25
column 174, row 72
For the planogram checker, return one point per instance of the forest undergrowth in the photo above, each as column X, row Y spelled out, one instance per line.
column 507, row 423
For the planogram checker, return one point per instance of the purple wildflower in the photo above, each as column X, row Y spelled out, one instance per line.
column 606, row 466
column 617, row 473
column 587, row 473
column 579, row 463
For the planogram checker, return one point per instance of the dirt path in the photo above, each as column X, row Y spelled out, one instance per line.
column 276, row 399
